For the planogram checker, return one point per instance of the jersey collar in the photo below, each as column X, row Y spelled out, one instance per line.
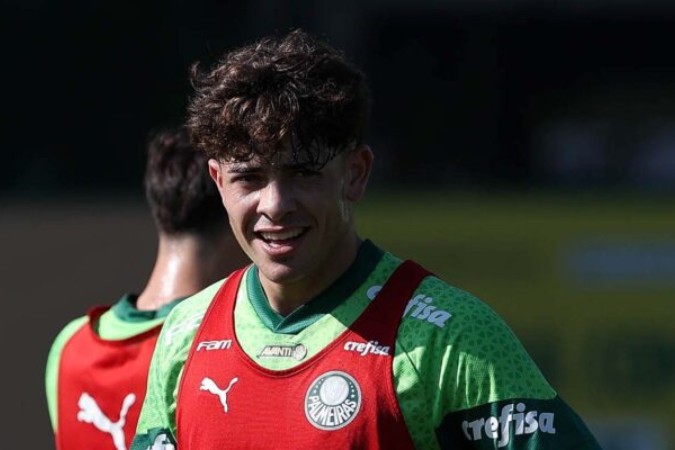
column 125, row 309
column 367, row 258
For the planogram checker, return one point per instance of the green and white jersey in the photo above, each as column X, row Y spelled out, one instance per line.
column 462, row 378
column 121, row 321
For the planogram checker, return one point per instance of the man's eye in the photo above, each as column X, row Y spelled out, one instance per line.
column 246, row 178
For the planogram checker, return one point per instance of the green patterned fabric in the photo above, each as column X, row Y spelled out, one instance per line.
column 454, row 357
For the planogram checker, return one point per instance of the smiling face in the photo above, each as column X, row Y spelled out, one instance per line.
column 295, row 223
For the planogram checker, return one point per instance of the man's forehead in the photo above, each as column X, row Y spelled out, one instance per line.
column 280, row 160
column 258, row 163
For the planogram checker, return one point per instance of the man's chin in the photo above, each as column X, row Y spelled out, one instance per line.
column 279, row 272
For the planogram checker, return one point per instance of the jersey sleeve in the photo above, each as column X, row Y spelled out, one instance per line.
column 156, row 427
column 466, row 367
column 52, row 367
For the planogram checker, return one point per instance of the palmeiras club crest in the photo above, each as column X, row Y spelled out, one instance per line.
column 332, row 401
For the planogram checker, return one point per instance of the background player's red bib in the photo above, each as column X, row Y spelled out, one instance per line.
column 101, row 386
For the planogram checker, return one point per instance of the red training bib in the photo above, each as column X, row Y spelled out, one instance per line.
column 101, row 387
column 341, row 398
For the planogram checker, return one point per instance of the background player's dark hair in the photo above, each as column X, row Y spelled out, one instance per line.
column 295, row 91
column 182, row 196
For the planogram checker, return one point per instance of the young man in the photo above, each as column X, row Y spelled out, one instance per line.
column 327, row 341
column 97, row 367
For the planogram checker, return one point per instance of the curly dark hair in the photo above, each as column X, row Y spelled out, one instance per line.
column 180, row 192
column 296, row 92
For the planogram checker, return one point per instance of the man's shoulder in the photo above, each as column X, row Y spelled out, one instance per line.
column 440, row 306
column 455, row 340
column 62, row 338
column 198, row 302
column 69, row 330
column 435, row 305
column 442, row 321
column 53, row 361
column 183, row 321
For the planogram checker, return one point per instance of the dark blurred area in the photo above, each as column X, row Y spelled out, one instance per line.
column 480, row 93
column 487, row 96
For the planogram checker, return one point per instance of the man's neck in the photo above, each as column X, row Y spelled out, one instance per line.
column 284, row 298
column 185, row 265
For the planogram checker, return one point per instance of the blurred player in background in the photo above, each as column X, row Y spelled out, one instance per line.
column 97, row 367
column 327, row 341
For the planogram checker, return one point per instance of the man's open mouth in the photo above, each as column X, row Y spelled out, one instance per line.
column 281, row 237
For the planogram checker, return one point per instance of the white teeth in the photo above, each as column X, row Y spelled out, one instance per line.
column 281, row 236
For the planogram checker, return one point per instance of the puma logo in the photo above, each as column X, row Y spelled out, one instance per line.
column 210, row 386
column 91, row 413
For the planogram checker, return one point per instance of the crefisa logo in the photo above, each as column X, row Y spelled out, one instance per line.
column 333, row 400
column 420, row 307
column 514, row 420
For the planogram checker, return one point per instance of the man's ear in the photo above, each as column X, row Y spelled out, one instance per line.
column 214, row 171
column 358, row 166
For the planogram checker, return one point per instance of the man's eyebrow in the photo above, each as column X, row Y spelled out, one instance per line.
column 244, row 168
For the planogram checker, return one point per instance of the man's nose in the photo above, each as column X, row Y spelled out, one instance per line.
column 276, row 200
